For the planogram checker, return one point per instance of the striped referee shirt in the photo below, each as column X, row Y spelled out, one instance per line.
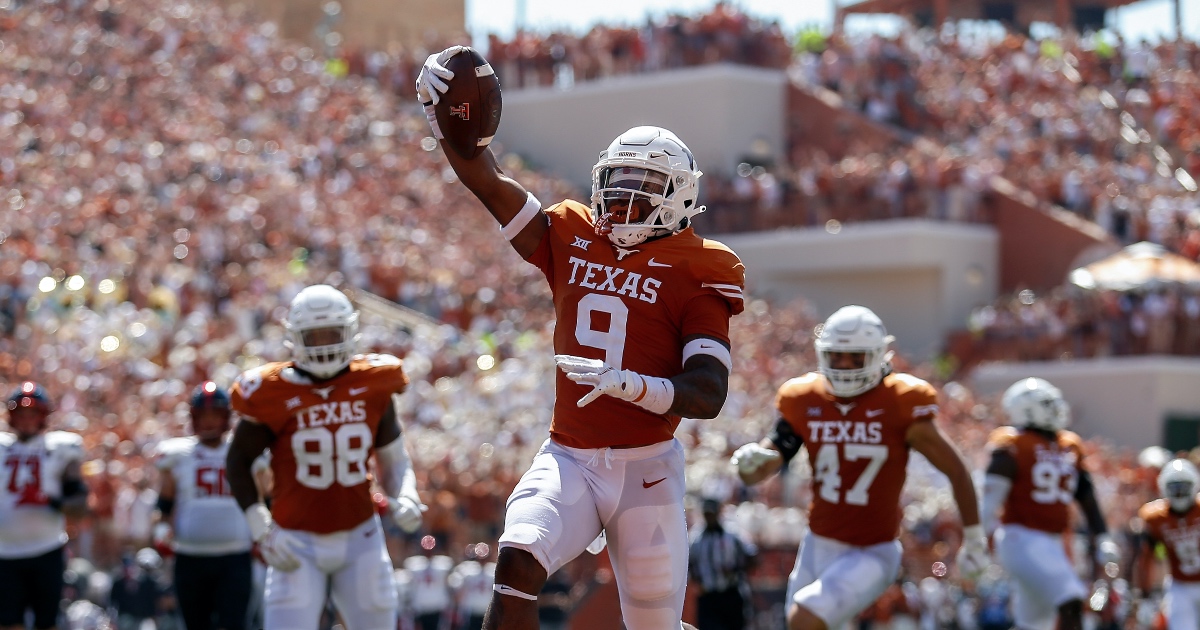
column 718, row 559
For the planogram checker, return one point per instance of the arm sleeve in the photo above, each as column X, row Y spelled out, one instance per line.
column 786, row 440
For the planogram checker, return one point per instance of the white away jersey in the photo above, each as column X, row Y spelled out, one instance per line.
column 207, row 519
column 30, row 473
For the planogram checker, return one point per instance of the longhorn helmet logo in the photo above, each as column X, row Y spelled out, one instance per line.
column 462, row 111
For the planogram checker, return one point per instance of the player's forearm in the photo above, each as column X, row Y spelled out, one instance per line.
column 502, row 195
column 700, row 393
column 964, row 494
column 241, row 479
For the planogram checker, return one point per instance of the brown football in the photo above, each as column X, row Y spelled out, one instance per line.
column 469, row 112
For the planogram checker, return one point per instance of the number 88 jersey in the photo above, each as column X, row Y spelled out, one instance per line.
column 324, row 437
column 1047, row 474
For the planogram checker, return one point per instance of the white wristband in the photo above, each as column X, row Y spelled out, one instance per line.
column 532, row 207
column 973, row 532
column 658, row 394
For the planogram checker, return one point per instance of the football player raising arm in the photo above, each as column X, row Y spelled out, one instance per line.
column 643, row 306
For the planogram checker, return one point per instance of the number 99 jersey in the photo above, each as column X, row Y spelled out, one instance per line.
column 632, row 308
column 1047, row 473
column 324, row 436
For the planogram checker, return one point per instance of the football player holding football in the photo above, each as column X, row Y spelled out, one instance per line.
column 642, row 305
column 858, row 421
column 323, row 415
column 1174, row 522
column 41, row 479
column 1036, row 472
column 201, row 521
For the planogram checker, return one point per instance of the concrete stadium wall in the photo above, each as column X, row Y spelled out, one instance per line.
column 922, row 277
column 1124, row 400
column 723, row 113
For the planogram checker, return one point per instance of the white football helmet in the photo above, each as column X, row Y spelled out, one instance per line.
column 1178, row 482
column 1033, row 403
column 322, row 330
column 853, row 329
column 651, row 164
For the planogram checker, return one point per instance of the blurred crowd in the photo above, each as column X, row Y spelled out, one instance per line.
column 171, row 175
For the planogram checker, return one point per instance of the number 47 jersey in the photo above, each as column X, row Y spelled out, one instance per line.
column 858, row 449
column 324, row 437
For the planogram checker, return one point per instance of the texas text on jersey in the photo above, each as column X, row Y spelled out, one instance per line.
column 858, row 450
column 30, row 473
column 1179, row 533
column 324, row 436
column 614, row 304
column 1047, row 474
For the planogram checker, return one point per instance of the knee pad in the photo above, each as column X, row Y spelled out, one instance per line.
column 648, row 572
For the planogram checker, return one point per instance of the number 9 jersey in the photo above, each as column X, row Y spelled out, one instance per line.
column 1047, row 473
column 324, row 436
column 632, row 308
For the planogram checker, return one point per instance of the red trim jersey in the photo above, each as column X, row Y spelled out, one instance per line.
column 1047, row 475
column 1179, row 533
column 858, row 450
column 324, row 436
column 632, row 308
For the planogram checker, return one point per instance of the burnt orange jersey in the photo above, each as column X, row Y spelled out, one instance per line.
column 324, row 435
column 858, row 449
column 1179, row 533
column 632, row 308
column 1047, row 474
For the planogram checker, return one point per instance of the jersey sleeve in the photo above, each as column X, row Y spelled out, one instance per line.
column 789, row 400
column 388, row 371
column 65, row 447
column 241, row 394
column 1151, row 514
column 918, row 399
column 1073, row 442
column 722, row 274
column 1003, row 439
column 169, row 452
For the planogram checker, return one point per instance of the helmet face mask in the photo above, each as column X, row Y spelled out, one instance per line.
column 322, row 330
column 852, row 351
column 1178, row 482
column 1033, row 403
column 645, row 185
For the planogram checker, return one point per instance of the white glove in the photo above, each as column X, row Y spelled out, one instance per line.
column 623, row 384
column 277, row 546
column 750, row 457
column 406, row 513
column 430, row 85
column 973, row 555
column 1107, row 550
column 161, row 534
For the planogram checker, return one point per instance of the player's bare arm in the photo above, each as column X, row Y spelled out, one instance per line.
column 503, row 196
column 701, row 389
column 75, row 493
column 250, row 439
column 925, row 438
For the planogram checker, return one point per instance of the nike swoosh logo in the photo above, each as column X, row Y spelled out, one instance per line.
column 652, row 263
column 651, row 484
column 871, row 413
column 354, row 391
